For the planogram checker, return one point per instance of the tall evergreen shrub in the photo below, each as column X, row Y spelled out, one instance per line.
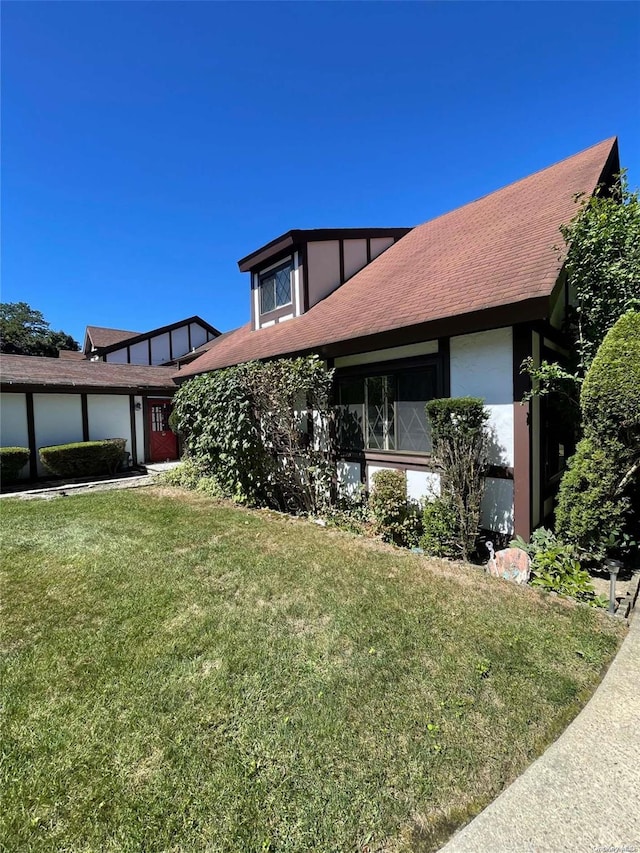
column 599, row 492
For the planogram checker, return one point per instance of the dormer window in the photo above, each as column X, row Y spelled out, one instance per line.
column 275, row 287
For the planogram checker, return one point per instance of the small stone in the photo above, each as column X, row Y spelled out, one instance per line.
column 510, row 564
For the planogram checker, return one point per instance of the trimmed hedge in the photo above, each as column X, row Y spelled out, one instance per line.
column 12, row 461
column 84, row 458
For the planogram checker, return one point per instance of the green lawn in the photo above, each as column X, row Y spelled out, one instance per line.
column 184, row 676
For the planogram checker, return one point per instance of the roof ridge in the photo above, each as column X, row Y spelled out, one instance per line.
column 611, row 140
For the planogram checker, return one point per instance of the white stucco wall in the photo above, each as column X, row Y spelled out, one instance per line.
column 407, row 351
column 482, row 366
column 421, row 485
column 355, row 256
column 180, row 341
column 118, row 356
column 109, row 417
column 323, row 268
column 348, row 479
column 496, row 511
column 140, row 353
column 160, row 348
column 13, row 423
column 139, row 430
column 198, row 335
column 379, row 244
column 58, row 420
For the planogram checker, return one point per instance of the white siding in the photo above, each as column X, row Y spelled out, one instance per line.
column 180, row 341
column 118, row 356
column 13, row 424
column 58, row 420
column 160, row 349
column 140, row 353
column 109, row 417
column 482, row 366
column 198, row 335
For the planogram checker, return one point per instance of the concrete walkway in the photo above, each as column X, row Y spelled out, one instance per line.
column 583, row 793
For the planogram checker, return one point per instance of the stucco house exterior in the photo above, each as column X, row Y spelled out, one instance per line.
column 120, row 385
column 448, row 308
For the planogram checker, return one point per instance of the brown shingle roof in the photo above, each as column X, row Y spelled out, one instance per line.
column 71, row 354
column 24, row 370
column 102, row 337
column 500, row 250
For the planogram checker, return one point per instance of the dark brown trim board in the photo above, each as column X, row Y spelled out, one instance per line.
column 134, row 438
column 145, row 429
column 522, row 486
column 341, row 260
column 24, row 388
column 84, row 407
column 444, row 351
column 31, row 432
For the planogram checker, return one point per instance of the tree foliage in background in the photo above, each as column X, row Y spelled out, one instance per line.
column 261, row 430
column 599, row 492
column 24, row 331
column 459, row 434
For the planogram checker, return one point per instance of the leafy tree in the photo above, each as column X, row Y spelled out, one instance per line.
column 24, row 331
column 603, row 274
column 603, row 266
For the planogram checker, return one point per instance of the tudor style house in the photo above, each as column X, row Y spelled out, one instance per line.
column 120, row 385
column 448, row 308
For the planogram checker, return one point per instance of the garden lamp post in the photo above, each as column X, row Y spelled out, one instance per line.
column 613, row 567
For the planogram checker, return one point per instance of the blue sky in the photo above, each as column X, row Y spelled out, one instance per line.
column 146, row 147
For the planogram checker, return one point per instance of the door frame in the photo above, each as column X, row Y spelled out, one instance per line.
column 147, row 427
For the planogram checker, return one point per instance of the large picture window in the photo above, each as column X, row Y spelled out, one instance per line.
column 275, row 288
column 386, row 411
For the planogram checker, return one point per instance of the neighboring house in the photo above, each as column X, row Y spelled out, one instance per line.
column 449, row 308
column 159, row 346
column 117, row 387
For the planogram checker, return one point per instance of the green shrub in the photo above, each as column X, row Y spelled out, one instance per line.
column 458, row 429
column 441, row 534
column 610, row 397
column 246, row 426
column 84, row 458
column 394, row 518
column 12, row 461
column 589, row 506
column 186, row 475
column 557, row 569
column 555, row 566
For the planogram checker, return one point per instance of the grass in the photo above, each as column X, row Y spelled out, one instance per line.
column 182, row 676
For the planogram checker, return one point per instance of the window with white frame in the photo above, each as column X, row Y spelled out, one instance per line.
column 275, row 287
column 387, row 411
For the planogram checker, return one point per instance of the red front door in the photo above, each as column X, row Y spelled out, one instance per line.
column 163, row 444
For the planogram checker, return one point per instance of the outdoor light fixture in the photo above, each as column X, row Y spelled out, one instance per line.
column 138, row 406
column 613, row 567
